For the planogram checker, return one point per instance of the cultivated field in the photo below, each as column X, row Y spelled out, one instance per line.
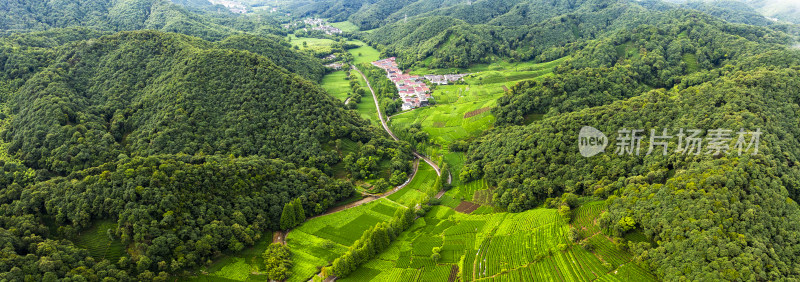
column 462, row 111
column 527, row 246
column 336, row 84
column 319, row 241
column 426, row 176
column 100, row 246
column 242, row 266
column 345, row 26
column 314, row 44
column 364, row 54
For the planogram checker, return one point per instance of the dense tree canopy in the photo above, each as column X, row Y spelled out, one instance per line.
column 172, row 94
column 119, row 15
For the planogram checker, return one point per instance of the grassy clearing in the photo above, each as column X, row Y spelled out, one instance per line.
column 319, row 241
column 100, row 245
column 367, row 108
column 319, row 45
column 336, row 84
column 691, row 62
column 345, row 26
column 364, row 54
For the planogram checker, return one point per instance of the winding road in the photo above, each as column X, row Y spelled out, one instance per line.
column 386, row 127
column 280, row 236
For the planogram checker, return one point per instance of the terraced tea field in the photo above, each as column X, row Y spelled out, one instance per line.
column 100, row 245
column 319, row 241
column 242, row 266
column 426, row 176
column 336, row 84
column 585, row 218
column 527, row 246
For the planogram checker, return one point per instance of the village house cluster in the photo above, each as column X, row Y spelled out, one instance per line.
column 316, row 24
column 329, row 30
column 322, row 25
column 233, row 6
column 411, row 89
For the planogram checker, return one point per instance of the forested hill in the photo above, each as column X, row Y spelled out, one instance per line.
column 488, row 31
column 259, row 35
column 279, row 52
column 119, row 15
column 170, row 94
column 444, row 34
column 713, row 217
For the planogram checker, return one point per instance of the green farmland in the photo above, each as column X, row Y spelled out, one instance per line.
column 100, row 245
column 457, row 114
column 425, row 177
column 345, row 26
column 319, row 241
column 245, row 265
column 336, row 84
column 318, row 45
column 364, row 54
column 462, row 111
column 527, row 246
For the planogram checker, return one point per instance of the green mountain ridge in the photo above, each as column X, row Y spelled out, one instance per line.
column 121, row 15
column 94, row 101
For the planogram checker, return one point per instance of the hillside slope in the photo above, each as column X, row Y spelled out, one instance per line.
column 120, row 15
column 171, row 94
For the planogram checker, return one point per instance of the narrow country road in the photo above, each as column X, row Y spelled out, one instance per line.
column 280, row 236
column 386, row 127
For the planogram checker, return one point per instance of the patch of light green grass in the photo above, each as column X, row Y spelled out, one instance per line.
column 364, row 54
column 425, row 178
column 100, row 246
column 238, row 266
column 320, row 45
column 336, row 84
column 345, row 26
column 319, row 241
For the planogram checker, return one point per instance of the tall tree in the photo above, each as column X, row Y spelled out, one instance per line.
column 299, row 212
column 288, row 217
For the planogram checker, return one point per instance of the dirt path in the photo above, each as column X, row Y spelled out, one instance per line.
column 279, row 237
